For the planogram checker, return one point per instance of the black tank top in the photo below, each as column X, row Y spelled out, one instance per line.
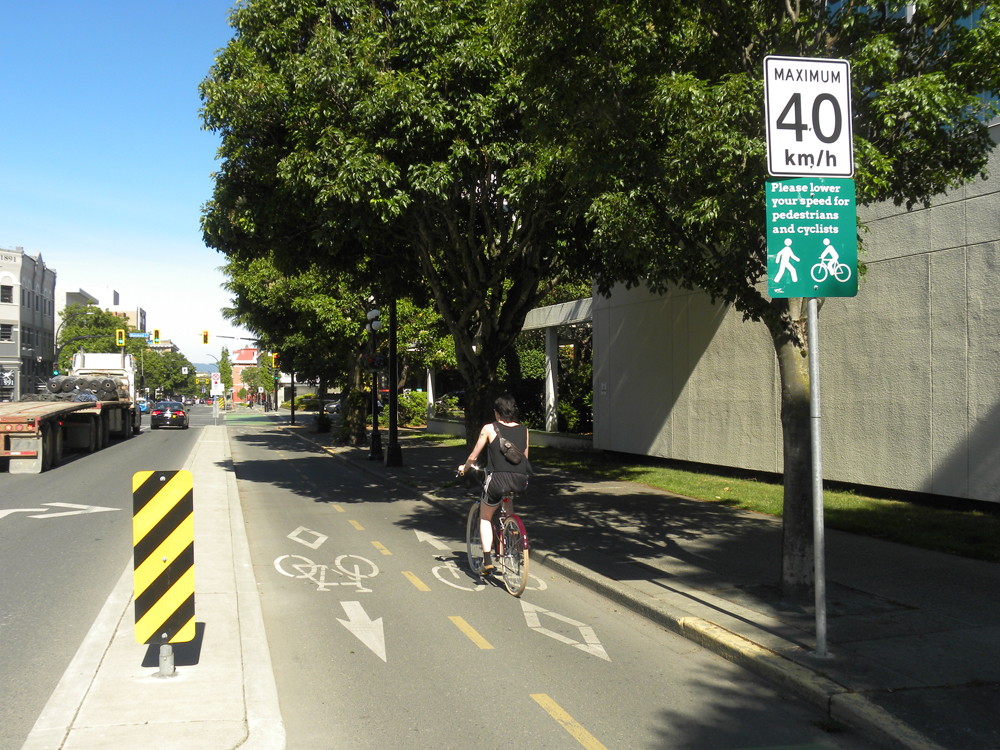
column 518, row 435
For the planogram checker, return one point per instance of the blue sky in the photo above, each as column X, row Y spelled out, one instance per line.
column 103, row 162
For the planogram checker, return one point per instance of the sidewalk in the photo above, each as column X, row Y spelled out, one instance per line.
column 914, row 636
column 223, row 693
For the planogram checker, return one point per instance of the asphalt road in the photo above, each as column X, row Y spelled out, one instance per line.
column 58, row 570
column 380, row 637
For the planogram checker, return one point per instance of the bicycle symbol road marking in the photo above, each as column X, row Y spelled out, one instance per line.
column 317, row 572
column 541, row 585
column 452, row 567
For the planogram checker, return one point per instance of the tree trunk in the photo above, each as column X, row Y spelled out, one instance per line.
column 354, row 406
column 797, row 579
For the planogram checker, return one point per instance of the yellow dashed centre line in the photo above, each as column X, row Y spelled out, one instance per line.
column 380, row 548
column 570, row 724
column 471, row 633
column 339, row 509
column 357, row 525
column 421, row 586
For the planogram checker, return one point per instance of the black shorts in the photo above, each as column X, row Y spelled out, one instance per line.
column 499, row 483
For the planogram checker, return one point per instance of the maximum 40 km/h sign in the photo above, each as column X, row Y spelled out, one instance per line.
column 807, row 102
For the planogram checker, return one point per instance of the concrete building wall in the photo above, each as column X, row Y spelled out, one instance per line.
column 909, row 369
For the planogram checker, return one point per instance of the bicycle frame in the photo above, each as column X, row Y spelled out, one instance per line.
column 510, row 542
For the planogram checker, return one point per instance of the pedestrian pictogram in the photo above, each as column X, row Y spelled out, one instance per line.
column 163, row 542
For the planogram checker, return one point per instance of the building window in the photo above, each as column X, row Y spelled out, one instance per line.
column 6, row 293
column 6, row 332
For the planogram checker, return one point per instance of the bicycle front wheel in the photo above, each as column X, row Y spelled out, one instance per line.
column 515, row 556
column 474, row 540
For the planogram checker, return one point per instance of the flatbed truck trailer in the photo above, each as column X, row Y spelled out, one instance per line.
column 36, row 434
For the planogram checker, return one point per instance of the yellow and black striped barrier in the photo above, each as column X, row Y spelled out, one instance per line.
column 163, row 544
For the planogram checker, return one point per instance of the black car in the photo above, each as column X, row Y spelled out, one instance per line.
column 169, row 413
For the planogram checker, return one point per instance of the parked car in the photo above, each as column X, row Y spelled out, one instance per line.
column 169, row 414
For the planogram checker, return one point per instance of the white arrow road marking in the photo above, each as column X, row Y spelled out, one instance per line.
column 591, row 643
column 423, row 536
column 22, row 510
column 368, row 631
column 79, row 510
column 314, row 544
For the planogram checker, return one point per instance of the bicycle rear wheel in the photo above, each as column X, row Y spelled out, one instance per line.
column 515, row 556
column 474, row 540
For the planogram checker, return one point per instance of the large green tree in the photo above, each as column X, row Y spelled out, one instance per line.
column 91, row 329
column 657, row 108
column 315, row 321
column 385, row 140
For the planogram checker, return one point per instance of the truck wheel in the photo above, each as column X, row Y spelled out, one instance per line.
column 105, row 430
column 48, row 446
column 92, row 443
column 59, row 444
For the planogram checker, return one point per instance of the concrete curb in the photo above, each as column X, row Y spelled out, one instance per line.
column 837, row 701
column 265, row 728
column 83, row 710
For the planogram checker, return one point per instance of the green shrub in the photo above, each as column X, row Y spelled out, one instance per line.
column 413, row 408
column 448, row 407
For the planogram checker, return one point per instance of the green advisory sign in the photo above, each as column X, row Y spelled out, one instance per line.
column 812, row 238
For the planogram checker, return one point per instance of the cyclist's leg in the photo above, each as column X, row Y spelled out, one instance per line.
column 486, row 512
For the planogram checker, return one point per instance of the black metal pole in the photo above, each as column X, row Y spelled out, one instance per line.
column 293, row 396
column 393, row 455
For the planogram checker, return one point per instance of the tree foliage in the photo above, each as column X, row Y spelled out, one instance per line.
column 385, row 139
column 656, row 106
column 315, row 321
column 91, row 329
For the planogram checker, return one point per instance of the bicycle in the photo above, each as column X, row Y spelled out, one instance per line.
column 840, row 271
column 510, row 540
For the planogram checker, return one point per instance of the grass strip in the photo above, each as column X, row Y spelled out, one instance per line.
column 973, row 533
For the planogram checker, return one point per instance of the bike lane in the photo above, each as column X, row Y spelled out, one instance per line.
column 381, row 637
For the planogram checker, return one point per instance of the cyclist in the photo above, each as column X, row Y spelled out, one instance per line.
column 830, row 256
column 502, row 475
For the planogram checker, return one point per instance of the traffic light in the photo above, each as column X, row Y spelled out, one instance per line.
column 204, row 337
column 156, row 335
column 119, row 337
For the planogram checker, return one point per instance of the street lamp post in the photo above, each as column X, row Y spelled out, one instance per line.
column 373, row 326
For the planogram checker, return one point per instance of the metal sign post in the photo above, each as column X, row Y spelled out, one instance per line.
column 812, row 247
